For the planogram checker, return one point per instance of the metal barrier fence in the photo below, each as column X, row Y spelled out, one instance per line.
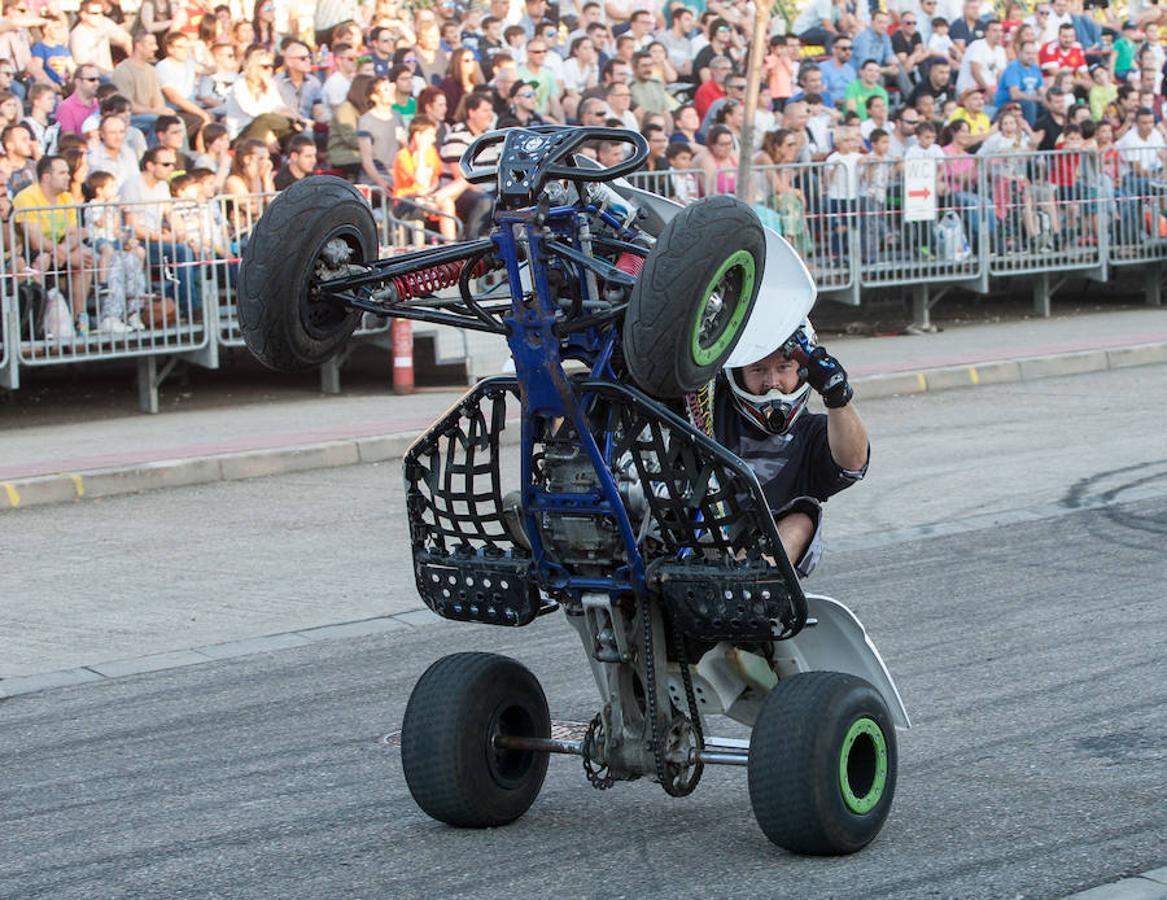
column 918, row 224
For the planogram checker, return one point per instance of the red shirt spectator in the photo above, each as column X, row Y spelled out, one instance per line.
column 80, row 104
column 1054, row 57
column 706, row 95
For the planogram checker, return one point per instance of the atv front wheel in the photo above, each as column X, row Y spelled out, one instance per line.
column 453, row 770
column 317, row 229
column 822, row 767
column 690, row 305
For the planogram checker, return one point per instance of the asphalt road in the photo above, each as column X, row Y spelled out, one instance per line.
column 1030, row 656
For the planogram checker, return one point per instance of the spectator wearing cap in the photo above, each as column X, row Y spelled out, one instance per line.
column 1122, row 58
column 112, row 153
column 865, row 86
column 137, row 81
column 1021, row 82
column 522, row 112
column 91, row 38
column 337, row 84
column 839, row 71
column 300, row 89
column 82, row 102
column 178, row 75
column 983, row 62
column 299, row 163
column 972, row 111
column 720, row 39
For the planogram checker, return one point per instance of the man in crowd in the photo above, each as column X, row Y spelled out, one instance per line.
column 648, row 94
column 713, row 89
column 137, row 81
column 337, row 84
column 149, row 217
column 170, row 132
column 473, row 118
column 56, row 231
column 678, row 41
column 111, row 153
column 82, row 102
column 1022, row 83
column 983, row 62
column 536, row 71
column 19, row 152
column 299, row 88
column 522, row 107
column 91, row 38
column 300, row 162
column 178, row 76
column 838, row 72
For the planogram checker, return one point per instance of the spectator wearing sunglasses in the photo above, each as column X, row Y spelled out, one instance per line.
column 522, row 110
column 91, row 38
column 839, row 71
column 82, row 102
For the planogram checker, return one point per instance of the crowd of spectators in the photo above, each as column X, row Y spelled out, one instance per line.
column 162, row 108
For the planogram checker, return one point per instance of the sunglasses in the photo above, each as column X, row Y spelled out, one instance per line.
column 909, row 21
column 84, row 78
column 536, row 52
column 846, row 49
column 527, row 94
column 165, row 165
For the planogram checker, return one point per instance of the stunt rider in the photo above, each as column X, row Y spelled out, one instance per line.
column 801, row 458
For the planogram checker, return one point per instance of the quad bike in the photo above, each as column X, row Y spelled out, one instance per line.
column 653, row 541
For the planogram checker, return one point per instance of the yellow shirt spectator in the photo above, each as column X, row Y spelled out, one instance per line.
column 53, row 223
column 978, row 123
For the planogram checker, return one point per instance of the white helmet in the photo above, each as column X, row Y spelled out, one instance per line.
column 774, row 412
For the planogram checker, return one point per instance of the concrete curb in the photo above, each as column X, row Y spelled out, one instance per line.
column 1150, row 885
column 175, row 659
column 19, row 493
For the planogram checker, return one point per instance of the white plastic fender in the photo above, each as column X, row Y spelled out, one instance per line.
column 838, row 642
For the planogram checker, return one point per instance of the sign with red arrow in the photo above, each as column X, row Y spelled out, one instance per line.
column 920, row 189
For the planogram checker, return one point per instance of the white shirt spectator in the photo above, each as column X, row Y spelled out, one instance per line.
column 335, row 91
column 243, row 106
column 135, row 140
column 814, row 14
column 1052, row 23
column 915, row 151
column 90, row 46
column 182, row 76
column 1145, row 152
column 123, row 167
column 151, row 215
column 575, row 78
column 842, row 176
column 992, row 60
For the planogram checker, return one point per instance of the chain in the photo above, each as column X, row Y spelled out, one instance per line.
column 694, row 713
column 650, row 695
column 600, row 777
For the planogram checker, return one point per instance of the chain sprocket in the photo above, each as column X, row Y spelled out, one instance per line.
column 599, row 776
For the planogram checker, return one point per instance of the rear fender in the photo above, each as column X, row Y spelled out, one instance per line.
column 838, row 642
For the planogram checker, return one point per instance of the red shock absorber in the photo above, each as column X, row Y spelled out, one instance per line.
column 435, row 278
column 632, row 263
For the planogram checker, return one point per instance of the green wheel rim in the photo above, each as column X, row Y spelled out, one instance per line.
column 863, row 766
column 743, row 260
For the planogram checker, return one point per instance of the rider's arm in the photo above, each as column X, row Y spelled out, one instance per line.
column 847, row 437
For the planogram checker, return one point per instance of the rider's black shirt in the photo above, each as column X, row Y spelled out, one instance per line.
column 795, row 464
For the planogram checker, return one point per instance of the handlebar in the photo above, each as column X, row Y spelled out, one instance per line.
column 532, row 156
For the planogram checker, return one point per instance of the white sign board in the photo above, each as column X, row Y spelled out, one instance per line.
column 920, row 190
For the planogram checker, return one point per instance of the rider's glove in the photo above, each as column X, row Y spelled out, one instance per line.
column 824, row 373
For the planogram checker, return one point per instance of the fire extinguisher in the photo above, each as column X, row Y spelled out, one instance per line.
column 402, row 339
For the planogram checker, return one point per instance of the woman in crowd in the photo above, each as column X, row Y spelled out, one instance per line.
column 662, row 70
column 417, row 172
column 251, row 174
column 263, row 23
column 344, row 153
column 960, row 175
column 720, row 163
column 78, row 163
column 581, row 72
column 461, row 77
column 732, row 115
column 379, row 135
column 255, row 108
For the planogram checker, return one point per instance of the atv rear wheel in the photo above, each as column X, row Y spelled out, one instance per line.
column 822, row 766
column 690, row 305
column 317, row 229
column 453, row 770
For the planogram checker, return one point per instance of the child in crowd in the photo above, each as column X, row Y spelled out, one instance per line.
column 121, row 260
column 918, row 233
column 685, row 186
column 874, row 182
column 841, row 180
column 940, row 44
column 1103, row 92
column 819, row 123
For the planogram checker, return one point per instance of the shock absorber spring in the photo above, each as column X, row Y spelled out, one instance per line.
column 435, row 278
